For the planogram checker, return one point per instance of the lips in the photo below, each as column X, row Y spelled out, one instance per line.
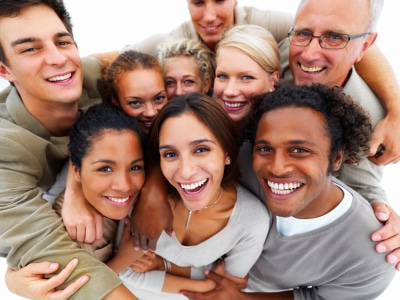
column 234, row 105
column 195, row 187
column 60, row 78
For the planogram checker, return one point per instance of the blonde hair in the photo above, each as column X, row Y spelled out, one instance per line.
column 202, row 56
column 254, row 41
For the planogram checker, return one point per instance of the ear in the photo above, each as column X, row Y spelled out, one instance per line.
column 115, row 101
column 206, row 85
column 5, row 73
column 75, row 171
column 227, row 159
column 337, row 162
column 274, row 80
column 367, row 44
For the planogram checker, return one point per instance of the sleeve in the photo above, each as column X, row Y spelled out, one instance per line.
column 276, row 22
column 245, row 253
column 58, row 186
column 30, row 230
column 365, row 178
column 151, row 281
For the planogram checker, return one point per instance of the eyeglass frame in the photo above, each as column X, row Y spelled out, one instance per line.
column 349, row 38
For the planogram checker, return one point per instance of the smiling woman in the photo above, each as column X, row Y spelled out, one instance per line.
column 112, row 26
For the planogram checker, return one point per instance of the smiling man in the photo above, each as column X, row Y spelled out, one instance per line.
column 39, row 57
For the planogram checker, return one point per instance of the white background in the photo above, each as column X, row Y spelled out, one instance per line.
column 101, row 26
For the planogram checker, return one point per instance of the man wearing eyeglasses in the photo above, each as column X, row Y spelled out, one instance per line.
column 327, row 38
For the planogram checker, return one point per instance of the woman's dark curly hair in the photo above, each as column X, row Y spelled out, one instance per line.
column 347, row 123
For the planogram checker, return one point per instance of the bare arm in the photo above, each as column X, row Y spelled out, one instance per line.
column 377, row 72
column 82, row 221
column 152, row 213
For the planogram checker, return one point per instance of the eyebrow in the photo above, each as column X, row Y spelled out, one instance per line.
column 192, row 143
column 33, row 39
column 112, row 162
column 293, row 143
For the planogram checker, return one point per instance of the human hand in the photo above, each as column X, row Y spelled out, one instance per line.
column 148, row 262
column 389, row 235
column 82, row 221
column 241, row 283
column 151, row 215
column 126, row 254
column 386, row 133
column 225, row 289
column 28, row 282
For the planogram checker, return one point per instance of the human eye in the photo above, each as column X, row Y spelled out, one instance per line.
column 302, row 34
column 263, row 149
column 197, row 2
column 247, row 77
column 134, row 103
column 334, row 39
column 189, row 82
column 28, row 50
column 136, row 168
column 221, row 76
column 168, row 154
column 202, row 149
column 104, row 169
column 300, row 151
column 169, row 83
column 160, row 99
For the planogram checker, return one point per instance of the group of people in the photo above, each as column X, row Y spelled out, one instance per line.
column 244, row 142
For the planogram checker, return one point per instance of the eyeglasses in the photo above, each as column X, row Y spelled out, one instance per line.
column 330, row 40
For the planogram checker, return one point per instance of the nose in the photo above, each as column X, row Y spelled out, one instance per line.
column 54, row 56
column 187, row 168
column 179, row 89
column 209, row 12
column 149, row 110
column 312, row 51
column 279, row 164
column 231, row 89
column 122, row 182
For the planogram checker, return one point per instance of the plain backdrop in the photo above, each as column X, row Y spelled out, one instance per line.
column 101, row 26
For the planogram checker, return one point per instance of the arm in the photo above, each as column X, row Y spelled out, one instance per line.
column 152, row 213
column 28, row 282
column 387, row 89
column 30, row 230
column 81, row 220
column 227, row 289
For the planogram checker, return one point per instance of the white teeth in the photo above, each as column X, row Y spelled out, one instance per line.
column 311, row 69
column 118, row 200
column 211, row 28
column 193, row 185
column 283, row 188
column 60, row 78
column 234, row 105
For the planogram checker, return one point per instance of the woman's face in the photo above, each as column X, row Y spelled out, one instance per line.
column 141, row 94
column 238, row 77
column 112, row 172
column 211, row 18
column 193, row 161
column 181, row 76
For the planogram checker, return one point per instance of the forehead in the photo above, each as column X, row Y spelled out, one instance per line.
column 189, row 125
column 335, row 15
column 38, row 22
column 293, row 124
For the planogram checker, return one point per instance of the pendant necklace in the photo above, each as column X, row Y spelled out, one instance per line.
column 193, row 210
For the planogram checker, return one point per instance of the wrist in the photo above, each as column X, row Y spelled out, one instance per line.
column 167, row 265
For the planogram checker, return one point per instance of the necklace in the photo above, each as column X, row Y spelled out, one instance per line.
column 193, row 210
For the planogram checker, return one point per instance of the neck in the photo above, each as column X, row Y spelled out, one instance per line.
column 57, row 119
column 203, row 208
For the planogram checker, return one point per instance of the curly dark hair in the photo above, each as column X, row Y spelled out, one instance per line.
column 347, row 123
column 127, row 61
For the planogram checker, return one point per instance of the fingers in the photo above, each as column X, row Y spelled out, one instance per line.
column 381, row 211
column 69, row 290
column 61, row 277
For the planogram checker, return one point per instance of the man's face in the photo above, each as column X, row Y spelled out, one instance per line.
column 291, row 162
column 211, row 18
column 42, row 59
column 329, row 66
